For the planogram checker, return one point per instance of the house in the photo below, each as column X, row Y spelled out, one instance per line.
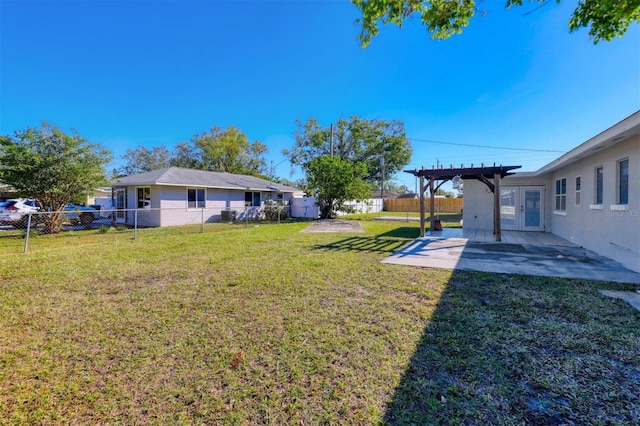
column 385, row 195
column 7, row 192
column 589, row 196
column 177, row 196
column 100, row 198
column 407, row 196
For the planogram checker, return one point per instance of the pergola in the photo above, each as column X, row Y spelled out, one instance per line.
column 484, row 174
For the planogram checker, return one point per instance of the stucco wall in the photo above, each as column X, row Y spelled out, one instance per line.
column 478, row 206
column 612, row 233
column 145, row 217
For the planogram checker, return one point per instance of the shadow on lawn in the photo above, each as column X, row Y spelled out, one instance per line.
column 387, row 242
column 505, row 349
column 366, row 244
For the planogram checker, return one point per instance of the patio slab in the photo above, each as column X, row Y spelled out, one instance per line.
column 333, row 226
column 525, row 253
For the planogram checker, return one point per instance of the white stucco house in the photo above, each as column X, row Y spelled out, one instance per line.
column 178, row 196
column 589, row 196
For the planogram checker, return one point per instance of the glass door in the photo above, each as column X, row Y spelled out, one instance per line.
column 121, row 205
column 509, row 199
column 522, row 208
column 532, row 208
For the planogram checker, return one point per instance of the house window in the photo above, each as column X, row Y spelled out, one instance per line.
column 578, row 191
column 251, row 198
column 623, row 181
column 561, row 195
column 144, row 198
column 599, row 182
column 195, row 198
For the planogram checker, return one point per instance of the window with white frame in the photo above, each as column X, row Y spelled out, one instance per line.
column 578, row 191
column 599, row 185
column 623, row 181
column 252, row 199
column 561, row 195
column 196, row 198
column 144, row 198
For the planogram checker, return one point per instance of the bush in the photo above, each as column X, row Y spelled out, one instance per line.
column 274, row 211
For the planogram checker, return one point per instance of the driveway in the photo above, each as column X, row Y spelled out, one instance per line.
column 524, row 253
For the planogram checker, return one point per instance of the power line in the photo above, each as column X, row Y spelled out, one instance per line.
column 486, row 146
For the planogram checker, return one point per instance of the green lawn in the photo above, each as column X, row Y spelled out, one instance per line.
column 448, row 220
column 267, row 325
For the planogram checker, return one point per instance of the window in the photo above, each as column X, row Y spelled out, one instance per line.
column 251, row 198
column 144, row 198
column 578, row 185
column 623, row 181
column 561, row 195
column 195, row 198
column 599, row 178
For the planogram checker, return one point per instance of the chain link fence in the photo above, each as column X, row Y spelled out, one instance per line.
column 92, row 221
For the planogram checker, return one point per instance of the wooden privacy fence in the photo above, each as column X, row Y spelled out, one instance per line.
column 443, row 205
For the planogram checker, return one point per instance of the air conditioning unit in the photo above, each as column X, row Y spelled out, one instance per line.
column 228, row 215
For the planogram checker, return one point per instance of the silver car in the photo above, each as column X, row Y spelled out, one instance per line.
column 16, row 212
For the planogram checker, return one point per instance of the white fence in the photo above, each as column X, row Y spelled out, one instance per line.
column 304, row 207
column 367, row 206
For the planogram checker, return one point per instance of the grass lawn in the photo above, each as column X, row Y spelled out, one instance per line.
column 265, row 325
column 448, row 220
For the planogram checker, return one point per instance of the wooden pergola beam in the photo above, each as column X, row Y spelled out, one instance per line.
column 483, row 174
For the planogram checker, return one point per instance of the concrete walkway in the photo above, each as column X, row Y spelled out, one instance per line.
column 525, row 253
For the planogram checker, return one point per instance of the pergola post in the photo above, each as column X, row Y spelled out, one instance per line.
column 421, row 206
column 496, row 207
column 432, row 206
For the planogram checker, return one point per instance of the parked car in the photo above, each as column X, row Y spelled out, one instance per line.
column 15, row 212
column 82, row 214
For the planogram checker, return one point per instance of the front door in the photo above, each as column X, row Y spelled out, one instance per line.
column 522, row 208
column 121, row 205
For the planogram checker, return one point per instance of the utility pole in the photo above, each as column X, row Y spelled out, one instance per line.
column 331, row 140
column 381, row 177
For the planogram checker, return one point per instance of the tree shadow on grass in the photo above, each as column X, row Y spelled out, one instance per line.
column 387, row 242
column 364, row 244
column 503, row 349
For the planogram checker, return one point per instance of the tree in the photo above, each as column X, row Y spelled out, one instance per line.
column 607, row 19
column 334, row 181
column 230, row 151
column 52, row 167
column 143, row 159
column 186, row 155
column 394, row 187
column 355, row 140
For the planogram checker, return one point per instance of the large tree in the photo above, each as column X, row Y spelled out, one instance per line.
column 186, row 155
column 142, row 159
column 52, row 167
column 334, row 181
column 229, row 150
column 607, row 19
column 356, row 140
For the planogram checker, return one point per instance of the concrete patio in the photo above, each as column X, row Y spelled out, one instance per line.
column 525, row 253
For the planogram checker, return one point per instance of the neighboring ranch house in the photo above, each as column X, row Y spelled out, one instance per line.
column 177, row 196
column 589, row 196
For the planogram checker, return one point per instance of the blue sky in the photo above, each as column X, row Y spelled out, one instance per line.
column 130, row 73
